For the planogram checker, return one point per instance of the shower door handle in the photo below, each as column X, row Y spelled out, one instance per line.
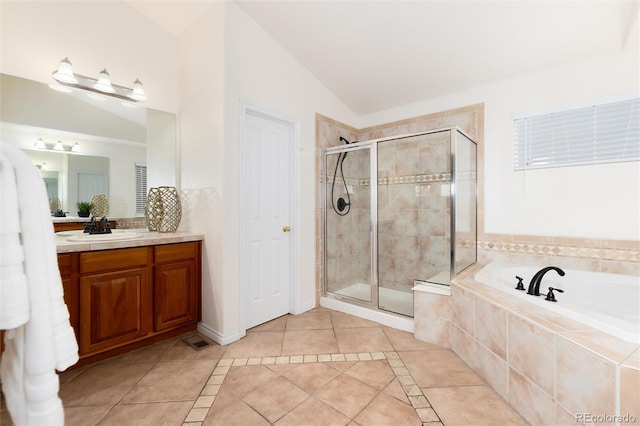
column 286, row 228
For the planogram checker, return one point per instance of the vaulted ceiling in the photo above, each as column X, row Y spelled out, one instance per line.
column 375, row 55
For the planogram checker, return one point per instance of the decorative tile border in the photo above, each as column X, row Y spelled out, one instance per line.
column 414, row 394
column 549, row 249
column 398, row 180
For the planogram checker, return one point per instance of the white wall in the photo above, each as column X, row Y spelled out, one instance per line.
column 250, row 66
column 601, row 201
column 201, row 152
column 259, row 71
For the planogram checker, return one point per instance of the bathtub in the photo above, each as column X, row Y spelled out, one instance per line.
column 607, row 302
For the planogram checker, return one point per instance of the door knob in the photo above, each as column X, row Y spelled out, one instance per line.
column 286, row 228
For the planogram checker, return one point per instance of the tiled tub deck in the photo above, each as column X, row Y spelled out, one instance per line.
column 551, row 369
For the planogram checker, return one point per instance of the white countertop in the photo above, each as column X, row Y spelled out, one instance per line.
column 146, row 238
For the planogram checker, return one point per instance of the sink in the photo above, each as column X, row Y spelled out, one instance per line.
column 116, row 235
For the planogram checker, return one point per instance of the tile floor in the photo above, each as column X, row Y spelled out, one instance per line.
column 319, row 368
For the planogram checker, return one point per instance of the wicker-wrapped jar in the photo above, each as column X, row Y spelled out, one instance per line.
column 99, row 205
column 54, row 204
column 153, row 209
column 171, row 209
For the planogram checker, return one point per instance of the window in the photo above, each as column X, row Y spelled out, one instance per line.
column 603, row 133
column 141, row 188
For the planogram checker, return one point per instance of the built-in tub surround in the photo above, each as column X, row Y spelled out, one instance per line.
column 607, row 302
column 432, row 313
column 549, row 367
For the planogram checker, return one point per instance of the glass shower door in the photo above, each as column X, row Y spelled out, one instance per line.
column 413, row 216
column 348, row 224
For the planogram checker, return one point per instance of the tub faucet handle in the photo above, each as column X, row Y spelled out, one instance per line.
column 552, row 297
column 520, row 285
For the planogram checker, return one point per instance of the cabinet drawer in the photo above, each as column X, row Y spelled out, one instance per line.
column 106, row 260
column 171, row 252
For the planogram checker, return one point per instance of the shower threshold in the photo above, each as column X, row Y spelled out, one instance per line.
column 391, row 300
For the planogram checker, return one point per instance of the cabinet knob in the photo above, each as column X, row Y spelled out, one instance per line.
column 286, row 228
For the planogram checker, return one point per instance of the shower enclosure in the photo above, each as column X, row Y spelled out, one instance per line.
column 397, row 210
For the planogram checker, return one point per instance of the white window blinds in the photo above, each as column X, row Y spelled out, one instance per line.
column 141, row 188
column 603, row 133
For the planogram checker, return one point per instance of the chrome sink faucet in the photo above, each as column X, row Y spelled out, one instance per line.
column 534, row 285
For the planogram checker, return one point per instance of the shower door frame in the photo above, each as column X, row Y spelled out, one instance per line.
column 372, row 146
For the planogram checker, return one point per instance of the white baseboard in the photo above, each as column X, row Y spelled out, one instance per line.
column 217, row 337
column 303, row 309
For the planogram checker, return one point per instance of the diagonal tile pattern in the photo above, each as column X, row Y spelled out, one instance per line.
column 319, row 368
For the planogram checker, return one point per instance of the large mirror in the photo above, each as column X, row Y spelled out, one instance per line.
column 108, row 147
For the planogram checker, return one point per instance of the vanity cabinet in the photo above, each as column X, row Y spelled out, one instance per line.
column 123, row 299
column 115, row 297
column 175, row 286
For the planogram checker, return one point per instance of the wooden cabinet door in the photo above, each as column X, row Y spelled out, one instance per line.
column 115, row 308
column 68, row 266
column 175, row 294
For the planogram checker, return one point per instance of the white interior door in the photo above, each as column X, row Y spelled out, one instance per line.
column 266, row 261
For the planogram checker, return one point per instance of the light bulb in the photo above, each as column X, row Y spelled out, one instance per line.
column 104, row 82
column 64, row 73
column 138, row 92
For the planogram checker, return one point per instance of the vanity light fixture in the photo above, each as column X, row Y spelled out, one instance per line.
column 64, row 73
column 102, row 85
column 40, row 144
column 104, row 82
column 75, row 147
column 137, row 93
column 58, row 146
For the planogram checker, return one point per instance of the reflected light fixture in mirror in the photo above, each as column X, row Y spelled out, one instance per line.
column 58, row 146
column 40, row 144
column 66, row 77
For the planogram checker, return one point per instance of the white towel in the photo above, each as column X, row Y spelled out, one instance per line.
column 14, row 296
column 46, row 342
